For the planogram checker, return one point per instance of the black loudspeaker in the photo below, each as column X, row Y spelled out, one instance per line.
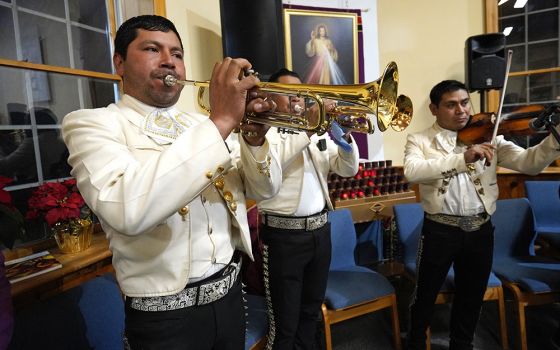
column 253, row 29
column 485, row 61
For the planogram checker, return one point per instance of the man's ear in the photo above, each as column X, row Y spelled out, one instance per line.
column 433, row 109
column 118, row 62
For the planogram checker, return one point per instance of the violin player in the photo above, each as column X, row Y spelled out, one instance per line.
column 458, row 190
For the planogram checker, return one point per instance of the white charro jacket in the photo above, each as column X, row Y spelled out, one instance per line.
column 137, row 187
column 288, row 148
column 430, row 162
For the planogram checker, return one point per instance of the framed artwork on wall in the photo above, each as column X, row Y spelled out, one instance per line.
column 322, row 45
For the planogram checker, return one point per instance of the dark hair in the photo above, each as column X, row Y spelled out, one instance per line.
column 282, row 72
column 443, row 87
column 128, row 30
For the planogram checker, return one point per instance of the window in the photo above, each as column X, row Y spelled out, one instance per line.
column 534, row 39
column 55, row 57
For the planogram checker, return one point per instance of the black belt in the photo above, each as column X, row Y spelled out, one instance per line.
column 465, row 223
column 199, row 293
column 307, row 223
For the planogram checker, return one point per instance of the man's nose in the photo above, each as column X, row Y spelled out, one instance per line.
column 167, row 59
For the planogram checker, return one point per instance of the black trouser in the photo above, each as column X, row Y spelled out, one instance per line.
column 471, row 255
column 298, row 265
column 219, row 325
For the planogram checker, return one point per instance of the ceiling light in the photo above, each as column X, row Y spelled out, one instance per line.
column 502, row 2
column 507, row 31
column 520, row 3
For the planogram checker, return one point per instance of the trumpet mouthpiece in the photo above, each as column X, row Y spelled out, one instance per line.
column 169, row 80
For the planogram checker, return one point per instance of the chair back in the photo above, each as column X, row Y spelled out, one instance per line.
column 343, row 238
column 545, row 201
column 90, row 316
column 514, row 233
column 409, row 218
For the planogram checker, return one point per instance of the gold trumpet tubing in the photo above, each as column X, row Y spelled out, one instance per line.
column 280, row 119
column 299, row 122
column 355, row 118
column 289, row 120
column 355, row 122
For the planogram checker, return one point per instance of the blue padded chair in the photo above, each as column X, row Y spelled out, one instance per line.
column 545, row 201
column 257, row 322
column 353, row 290
column 532, row 279
column 409, row 218
column 89, row 316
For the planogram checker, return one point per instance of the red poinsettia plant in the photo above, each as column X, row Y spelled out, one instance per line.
column 56, row 202
column 11, row 220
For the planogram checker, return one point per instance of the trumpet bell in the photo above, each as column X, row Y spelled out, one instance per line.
column 403, row 117
column 383, row 101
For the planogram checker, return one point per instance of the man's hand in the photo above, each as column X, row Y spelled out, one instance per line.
column 480, row 151
column 253, row 132
column 228, row 93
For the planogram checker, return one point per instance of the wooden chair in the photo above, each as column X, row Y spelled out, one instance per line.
column 532, row 279
column 409, row 218
column 353, row 290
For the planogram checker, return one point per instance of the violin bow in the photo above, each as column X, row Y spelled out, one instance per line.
column 499, row 117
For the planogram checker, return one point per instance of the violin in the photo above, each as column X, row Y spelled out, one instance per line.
column 480, row 127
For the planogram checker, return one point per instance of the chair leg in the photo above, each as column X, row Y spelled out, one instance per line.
column 327, row 325
column 395, row 320
column 428, row 339
column 502, row 316
column 522, row 325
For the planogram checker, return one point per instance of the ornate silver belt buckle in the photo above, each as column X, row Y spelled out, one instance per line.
column 468, row 224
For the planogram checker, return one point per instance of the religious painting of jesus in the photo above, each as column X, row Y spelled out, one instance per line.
column 321, row 46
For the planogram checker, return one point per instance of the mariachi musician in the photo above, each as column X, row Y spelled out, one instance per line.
column 458, row 189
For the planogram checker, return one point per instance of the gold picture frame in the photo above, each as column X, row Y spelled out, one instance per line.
column 322, row 46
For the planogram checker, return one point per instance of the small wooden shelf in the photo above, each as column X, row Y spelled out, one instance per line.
column 76, row 269
column 374, row 208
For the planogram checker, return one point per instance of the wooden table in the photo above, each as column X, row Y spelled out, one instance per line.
column 76, row 269
column 512, row 183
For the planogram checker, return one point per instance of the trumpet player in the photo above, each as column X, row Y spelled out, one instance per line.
column 168, row 193
column 295, row 230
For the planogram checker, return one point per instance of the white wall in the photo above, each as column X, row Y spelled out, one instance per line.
column 427, row 40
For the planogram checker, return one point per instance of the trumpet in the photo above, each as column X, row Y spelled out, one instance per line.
column 358, row 106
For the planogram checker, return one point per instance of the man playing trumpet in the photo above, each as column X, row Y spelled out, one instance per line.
column 295, row 230
column 169, row 194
